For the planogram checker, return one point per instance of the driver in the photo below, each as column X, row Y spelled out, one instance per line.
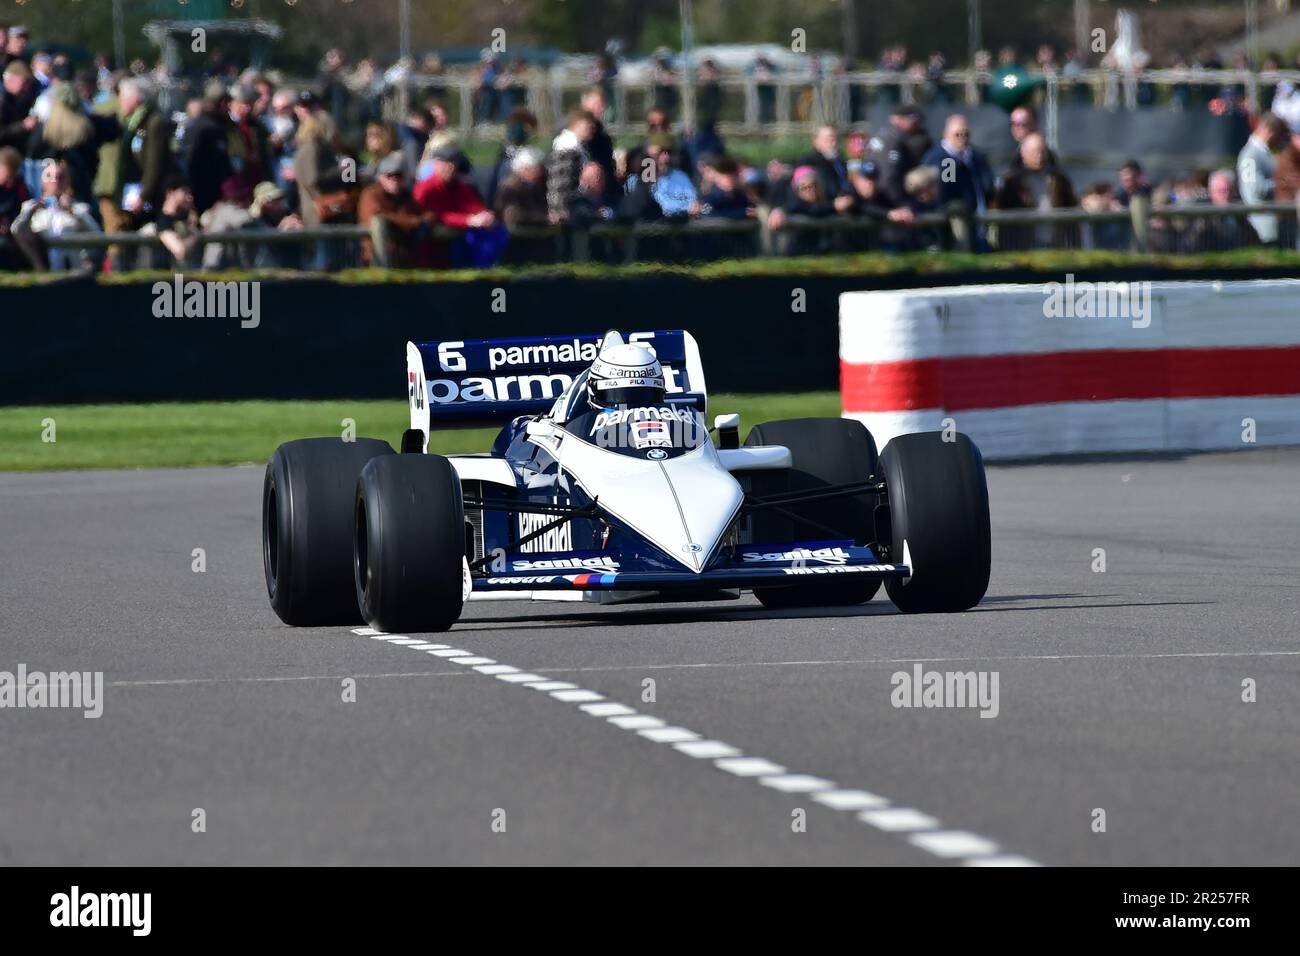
column 625, row 373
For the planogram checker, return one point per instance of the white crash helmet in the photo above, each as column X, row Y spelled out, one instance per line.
column 625, row 373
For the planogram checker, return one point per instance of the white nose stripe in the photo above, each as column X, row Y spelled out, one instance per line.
column 694, row 555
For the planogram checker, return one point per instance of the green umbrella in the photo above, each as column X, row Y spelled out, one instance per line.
column 1012, row 86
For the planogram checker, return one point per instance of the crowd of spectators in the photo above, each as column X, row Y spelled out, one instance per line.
column 92, row 151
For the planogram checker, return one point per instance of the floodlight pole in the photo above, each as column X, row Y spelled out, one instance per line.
column 849, row 27
column 1082, row 33
column 1252, row 34
column 404, row 52
column 687, row 12
column 119, row 36
column 404, row 28
column 973, row 30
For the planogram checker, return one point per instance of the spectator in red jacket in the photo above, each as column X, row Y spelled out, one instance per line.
column 453, row 202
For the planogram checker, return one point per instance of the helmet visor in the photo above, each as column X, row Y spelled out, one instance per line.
column 607, row 393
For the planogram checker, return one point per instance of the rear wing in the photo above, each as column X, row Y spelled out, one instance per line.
column 458, row 383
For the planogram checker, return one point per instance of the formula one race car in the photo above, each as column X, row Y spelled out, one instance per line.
column 605, row 485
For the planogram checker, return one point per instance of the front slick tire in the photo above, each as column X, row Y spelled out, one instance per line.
column 409, row 544
column 939, row 506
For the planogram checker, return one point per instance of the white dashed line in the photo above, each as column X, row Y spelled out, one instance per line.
column 607, row 709
column 577, row 696
column 898, row 819
column 850, row 799
column 749, row 766
column 796, row 783
column 637, row 722
column 953, row 844
column 707, row 749
column 669, row 735
column 923, row 831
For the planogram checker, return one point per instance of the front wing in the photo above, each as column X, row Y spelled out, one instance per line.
column 751, row 567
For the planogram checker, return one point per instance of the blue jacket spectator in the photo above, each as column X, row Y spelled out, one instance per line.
column 672, row 189
column 723, row 196
column 964, row 172
column 701, row 144
column 826, row 161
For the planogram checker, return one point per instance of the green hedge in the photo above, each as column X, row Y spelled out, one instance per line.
column 896, row 265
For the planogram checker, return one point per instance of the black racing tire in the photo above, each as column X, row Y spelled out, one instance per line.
column 409, row 544
column 307, row 501
column 939, row 505
column 823, row 451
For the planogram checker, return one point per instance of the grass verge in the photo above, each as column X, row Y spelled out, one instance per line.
column 189, row 434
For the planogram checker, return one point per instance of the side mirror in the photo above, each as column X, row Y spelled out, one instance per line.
column 539, row 428
column 728, row 429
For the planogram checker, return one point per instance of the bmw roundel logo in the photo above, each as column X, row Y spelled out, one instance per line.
column 656, row 454
column 693, row 548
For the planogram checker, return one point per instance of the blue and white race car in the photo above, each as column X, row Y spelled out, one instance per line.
column 606, row 484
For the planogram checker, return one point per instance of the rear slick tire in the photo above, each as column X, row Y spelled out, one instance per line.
column 823, row 451
column 307, row 501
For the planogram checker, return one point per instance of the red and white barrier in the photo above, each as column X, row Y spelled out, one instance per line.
column 1030, row 370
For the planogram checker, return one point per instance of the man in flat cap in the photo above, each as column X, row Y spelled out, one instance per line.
column 395, row 220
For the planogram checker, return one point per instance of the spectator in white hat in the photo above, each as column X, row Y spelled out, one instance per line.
column 521, row 199
column 1286, row 104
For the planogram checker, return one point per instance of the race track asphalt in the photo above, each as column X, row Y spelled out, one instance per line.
column 1118, row 690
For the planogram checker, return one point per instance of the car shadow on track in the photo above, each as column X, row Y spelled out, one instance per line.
column 631, row 615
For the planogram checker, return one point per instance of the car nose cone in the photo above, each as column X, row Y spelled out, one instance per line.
column 683, row 505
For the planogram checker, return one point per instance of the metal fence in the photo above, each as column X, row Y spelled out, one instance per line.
column 791, row 105
column 1141, row 228
column 786, row 105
